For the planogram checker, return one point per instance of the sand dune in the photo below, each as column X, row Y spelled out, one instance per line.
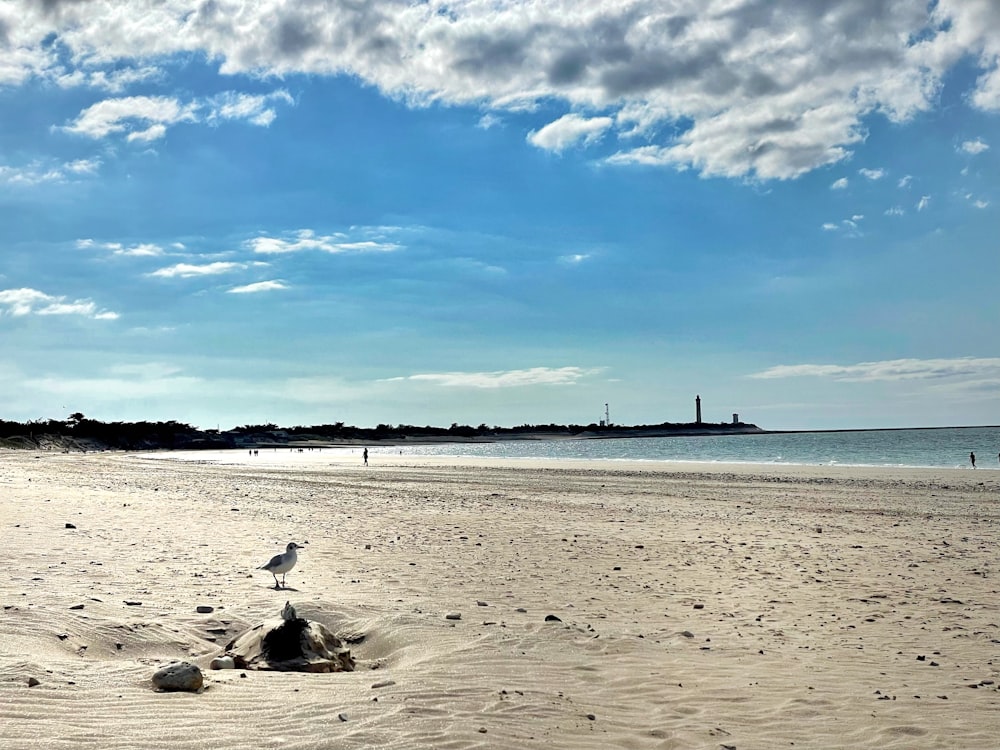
column 733, row 607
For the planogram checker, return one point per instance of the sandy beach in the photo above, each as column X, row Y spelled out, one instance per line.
column 744, row 607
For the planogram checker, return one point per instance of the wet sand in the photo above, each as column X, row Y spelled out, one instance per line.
column 697, row 606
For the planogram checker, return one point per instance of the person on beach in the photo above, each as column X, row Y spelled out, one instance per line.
column 365, row 454
column 972, row 458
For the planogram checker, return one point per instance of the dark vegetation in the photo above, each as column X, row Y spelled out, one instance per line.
column 77, row 432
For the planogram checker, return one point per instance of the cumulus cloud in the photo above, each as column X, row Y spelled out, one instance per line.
column 307, row 239
column 974, row 147
column 890, row 370
column 146, row 118
column 20, row 302
column 872, row 174
column 506, row 378
column 568, row 131
column 260, row 286
column 726, row 87
column 924, row 202
column 840, row 184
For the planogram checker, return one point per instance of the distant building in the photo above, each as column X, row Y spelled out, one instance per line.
column 697, row 409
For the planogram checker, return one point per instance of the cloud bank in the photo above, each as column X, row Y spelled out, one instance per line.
column 736, row 88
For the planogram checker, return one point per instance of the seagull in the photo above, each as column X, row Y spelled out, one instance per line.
column 282, row 564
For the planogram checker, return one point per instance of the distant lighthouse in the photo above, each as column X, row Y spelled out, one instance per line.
column 697, row 409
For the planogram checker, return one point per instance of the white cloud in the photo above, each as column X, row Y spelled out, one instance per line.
column 728, row 87
column 20, row 302
column 37, row 173
column 575, row 258
column 829, row 227
column 307, row 239
column 923, row 202
column 894, row 211
column 488, row 121
column 260, row 286
column 890, row 370
column 143, row 250
column 568, row 131
column 188, row 270
column 118, row 115
column 974, row 147
column 979, row 203
column 840, row 184
column 506, row 378
column 146, row 118
column 872, row 174
column 904, row 182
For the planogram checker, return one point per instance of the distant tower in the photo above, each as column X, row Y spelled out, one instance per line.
column 607, row 416
column 697, row 409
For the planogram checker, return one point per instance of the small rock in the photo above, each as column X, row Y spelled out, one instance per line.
column 204, row 609
column 77, row 606
column 178, row 676
column 592, row 717
column 453, row 616
column 385, row 683
column 480, row 603
column 342, row 717
column 33, row 682
column 552, row 618
column 482, row 730
column 699, row 606
column 70, row 526
column 223, row 662
column 132, row 604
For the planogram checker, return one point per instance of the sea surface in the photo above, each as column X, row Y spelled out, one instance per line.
column 939, row 448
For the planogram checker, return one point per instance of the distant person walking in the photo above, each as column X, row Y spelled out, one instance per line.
column 972, row 458
column 365, row 454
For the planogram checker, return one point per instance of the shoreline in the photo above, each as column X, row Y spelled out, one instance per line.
column 342, row 455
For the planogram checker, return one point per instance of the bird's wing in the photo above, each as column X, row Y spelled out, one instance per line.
column 273, row 562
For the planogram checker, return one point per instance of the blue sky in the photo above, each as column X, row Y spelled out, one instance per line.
column 508, row 212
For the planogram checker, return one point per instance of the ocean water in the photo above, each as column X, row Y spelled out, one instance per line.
column 939, row 448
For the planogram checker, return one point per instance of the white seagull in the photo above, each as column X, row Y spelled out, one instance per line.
column 282, row 564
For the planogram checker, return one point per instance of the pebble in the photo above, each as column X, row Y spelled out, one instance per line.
column 223, row 662
column 33, row 682
column 77, row 606
column 453, row 616
column 552, row 618
column 342, row 717
column 385, row 683
column 70, row 526
column 204, row 609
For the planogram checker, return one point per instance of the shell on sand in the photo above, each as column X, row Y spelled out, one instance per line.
column 290, row 644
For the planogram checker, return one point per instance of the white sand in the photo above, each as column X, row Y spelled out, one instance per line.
column 700, row 607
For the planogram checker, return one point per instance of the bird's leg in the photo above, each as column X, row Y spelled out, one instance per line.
column 276, row 586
